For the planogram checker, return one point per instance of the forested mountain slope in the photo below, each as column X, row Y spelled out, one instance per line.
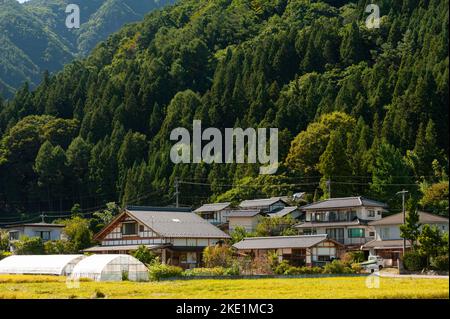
column 365, row 109
column 34, row 37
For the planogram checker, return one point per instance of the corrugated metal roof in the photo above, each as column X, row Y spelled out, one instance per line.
column 343, row 202
column 243, row 213
column 283, row 212
column 303, row 241
column 177, row 224
column 260, row 202
column 397, row 219
column 214, row 207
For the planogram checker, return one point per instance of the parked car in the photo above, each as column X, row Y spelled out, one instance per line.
column 374, row 263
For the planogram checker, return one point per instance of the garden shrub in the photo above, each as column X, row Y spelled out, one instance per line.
column 218, row 256
column 353, row 257
column 413, row 261
column 144, row 255
column 337, row 267
column 357, row 268
column 4, row 254
column 158, row 271
column 440, row 263
column 216, row 271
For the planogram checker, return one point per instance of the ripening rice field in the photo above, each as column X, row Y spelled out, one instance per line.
column 23, row 286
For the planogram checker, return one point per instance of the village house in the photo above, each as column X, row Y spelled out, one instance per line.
column 291, row 211
column 345, row 220
column 245, row 218
column 265, row 205
column 177, row 235
column 303, row 250
column 388, row 242
column 216, row 214
column 45, row 231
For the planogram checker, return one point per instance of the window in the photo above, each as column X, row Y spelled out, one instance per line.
column 141, row 228
column 356, row 233
column 336, row 234
column 371, row 233
column 14, row 235
column 332, row 216
column 309, row 231
column 371, row 213
column 129, row 229
column 323, row 258
column 385, row 233
column 44, row 235
column 207, row 215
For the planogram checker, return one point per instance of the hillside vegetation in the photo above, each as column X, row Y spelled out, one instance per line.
column 364, row 108
column 35, row 39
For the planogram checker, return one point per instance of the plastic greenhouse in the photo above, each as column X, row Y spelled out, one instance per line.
column 40, row 264
column 110, row 267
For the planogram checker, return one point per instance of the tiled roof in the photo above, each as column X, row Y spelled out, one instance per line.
column 260, row 202
column 243, row 213
column 385, row 244
column 304, row 241
column 330, row 224
column 283, row 212
column 397, row 219
column 215, row 207
column 36, row 225
column 343, row 202
column 176, row 223
column 121, row 247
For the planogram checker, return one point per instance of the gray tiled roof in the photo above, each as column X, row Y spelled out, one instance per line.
column 260, row 202
column 175, row 223
column 397, row 219
column 343, row 202
column 121, row 247
column 215, row 207
column 328, row 224
column 243, row 213
column 304, row 241
column 283, row 212
column 385, row 244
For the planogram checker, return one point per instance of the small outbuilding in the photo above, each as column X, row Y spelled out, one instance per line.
column 309, row 250
column 110, row 267
column 61, row 265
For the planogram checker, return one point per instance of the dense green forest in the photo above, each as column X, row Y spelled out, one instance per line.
column 34, row 37
column 366, row 109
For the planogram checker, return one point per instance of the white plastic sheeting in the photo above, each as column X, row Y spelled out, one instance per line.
column 110, row 267
column 39, row 264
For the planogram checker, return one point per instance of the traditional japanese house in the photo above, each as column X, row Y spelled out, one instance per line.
column 291, row 211
column 309, row 250
column 216, row 213
column 388, row 242
column 245, row 218
column 264, row 205
column 346, row 220
column 176, row 234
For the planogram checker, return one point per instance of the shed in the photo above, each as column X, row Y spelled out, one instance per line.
column 40, row 264
column 110, row 267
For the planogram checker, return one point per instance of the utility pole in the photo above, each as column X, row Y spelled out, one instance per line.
column 403, row 192
column 176, row 191
column 329, row 187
